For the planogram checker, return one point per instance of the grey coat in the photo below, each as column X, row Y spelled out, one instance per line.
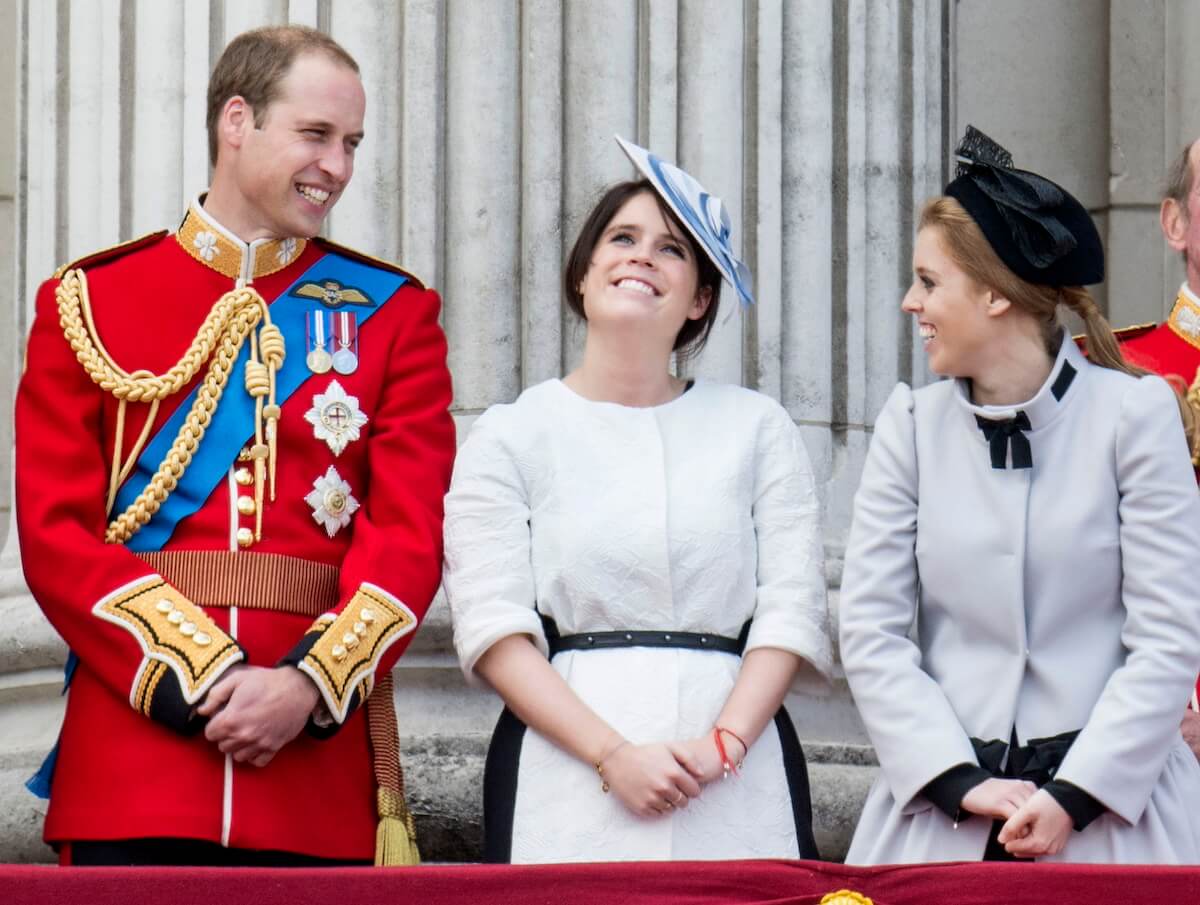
column 1048, row 599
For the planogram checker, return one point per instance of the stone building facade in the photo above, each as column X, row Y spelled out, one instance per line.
column 821, row 123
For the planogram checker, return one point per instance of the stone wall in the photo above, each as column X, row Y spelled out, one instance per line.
column 1100, row 95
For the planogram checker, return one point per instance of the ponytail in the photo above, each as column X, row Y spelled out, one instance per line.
column 1102, row 346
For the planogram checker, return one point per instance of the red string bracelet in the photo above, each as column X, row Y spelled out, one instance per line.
column 745, row 747
column 726, row 764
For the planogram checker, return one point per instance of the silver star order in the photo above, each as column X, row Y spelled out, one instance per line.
column 331, row 501
column 335, row 417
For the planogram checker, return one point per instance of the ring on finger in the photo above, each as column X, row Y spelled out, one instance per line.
column 679, row 799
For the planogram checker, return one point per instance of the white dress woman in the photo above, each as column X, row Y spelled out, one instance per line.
column 650, row 548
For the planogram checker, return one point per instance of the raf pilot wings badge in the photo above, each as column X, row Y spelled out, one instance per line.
column 333, row 294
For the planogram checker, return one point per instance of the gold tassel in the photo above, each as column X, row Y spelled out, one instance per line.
column 395, row 837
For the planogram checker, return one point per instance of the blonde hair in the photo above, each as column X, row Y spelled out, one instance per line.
column 966, row 244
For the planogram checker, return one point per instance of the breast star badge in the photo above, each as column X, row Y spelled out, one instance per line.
column 335, row 417
column 331, row 501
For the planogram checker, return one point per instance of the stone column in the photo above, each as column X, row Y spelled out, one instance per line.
column 489, row 135
column 1036, row 80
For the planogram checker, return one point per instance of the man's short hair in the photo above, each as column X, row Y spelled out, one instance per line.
column 1180, row 178
column 255, row 63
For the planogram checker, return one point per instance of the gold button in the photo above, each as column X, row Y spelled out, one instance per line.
column 350, row 640
column 339, row 652
column 360, row 628
column 246, row 505
column 245, row 537
column 244, row 454
column 174, row 617
column 243, row 477
column 187, row 629
column 202, row 639
column 164, row 606
column 367, row 616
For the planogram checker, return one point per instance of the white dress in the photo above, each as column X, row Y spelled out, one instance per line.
column 695, row 515
column 1048, row 599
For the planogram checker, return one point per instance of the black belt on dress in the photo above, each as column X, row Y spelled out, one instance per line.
column 1036, row 761
column 642, row 638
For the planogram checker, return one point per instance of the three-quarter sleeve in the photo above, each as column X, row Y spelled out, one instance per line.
column 1121, row 750
column 791, row 611
column 912, row 725
column 488, row 575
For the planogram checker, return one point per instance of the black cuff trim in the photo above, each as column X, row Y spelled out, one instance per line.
column 947, row 791
column 168, row 707
column 322, row 730
column 1079, row 805
column 300, row 651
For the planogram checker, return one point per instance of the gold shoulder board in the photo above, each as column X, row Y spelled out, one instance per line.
column 110, row 253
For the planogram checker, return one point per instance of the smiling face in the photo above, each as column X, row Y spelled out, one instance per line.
column 955, row 314
column 642, row 274
column 284, row 176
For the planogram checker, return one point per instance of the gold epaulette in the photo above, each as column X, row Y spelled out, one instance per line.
column 111, row 253
column 356, row 255
column 1133, row 331
column 1122, row 334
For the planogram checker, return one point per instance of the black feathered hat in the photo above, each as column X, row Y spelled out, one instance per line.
column 1037, row 228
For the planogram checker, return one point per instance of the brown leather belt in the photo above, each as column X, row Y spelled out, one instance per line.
column 262, row 581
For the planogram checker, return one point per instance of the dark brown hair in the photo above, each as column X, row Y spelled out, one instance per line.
column 694, row 333
column 254, row 64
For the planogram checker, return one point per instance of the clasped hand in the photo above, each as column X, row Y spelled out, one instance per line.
column 256, row 710
column 1034, row 823
column 653, row 779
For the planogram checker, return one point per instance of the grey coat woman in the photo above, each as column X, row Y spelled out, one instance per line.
column 1019, row 623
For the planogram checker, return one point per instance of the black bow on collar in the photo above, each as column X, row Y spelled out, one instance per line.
column 1005, row 433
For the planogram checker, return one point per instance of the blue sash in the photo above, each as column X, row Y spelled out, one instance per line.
column 232, row 423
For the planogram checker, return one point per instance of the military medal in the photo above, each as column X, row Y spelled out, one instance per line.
column 345, row 334
column 331, row 501
column 319, row 360
column 335, row 417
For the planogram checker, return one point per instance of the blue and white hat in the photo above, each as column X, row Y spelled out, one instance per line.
column 703, row 214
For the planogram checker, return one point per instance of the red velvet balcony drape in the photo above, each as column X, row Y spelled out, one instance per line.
column 708, row 883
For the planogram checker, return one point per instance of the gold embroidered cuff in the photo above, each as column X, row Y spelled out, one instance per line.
column 174, row 634
column 343, row 660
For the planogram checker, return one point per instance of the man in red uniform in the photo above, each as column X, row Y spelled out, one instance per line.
column 1172, row 348
column 232, row 445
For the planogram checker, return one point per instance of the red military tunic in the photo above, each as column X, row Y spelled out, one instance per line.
column 127, row 765
column 1171, row 349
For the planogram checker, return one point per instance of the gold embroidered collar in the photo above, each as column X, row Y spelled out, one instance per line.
column 1184, row 321
column 212, row 245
